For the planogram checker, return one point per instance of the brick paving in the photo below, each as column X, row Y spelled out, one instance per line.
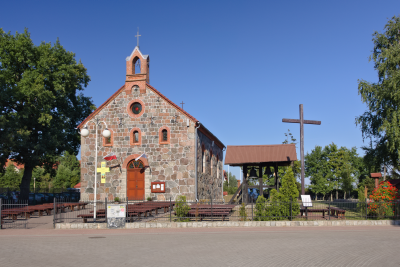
column 291, row 246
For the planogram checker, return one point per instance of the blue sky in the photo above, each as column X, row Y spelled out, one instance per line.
column 240, row 66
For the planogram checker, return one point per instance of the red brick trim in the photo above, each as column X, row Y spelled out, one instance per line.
column 129, row 110
column 111, row 137
column 132, row 138
column 160, row 140
column 132, row 157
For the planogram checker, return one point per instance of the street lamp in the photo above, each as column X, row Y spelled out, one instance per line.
column 106, row 133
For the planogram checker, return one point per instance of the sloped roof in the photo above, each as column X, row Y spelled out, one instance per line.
column 240, row 155
column 376, row 175
column 202, row 128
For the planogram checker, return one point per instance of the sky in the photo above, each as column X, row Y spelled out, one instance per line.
column 239, row 66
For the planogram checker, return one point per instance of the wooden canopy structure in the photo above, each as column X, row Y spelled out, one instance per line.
column 259, row 156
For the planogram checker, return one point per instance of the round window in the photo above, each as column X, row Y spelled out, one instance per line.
column 136, row 108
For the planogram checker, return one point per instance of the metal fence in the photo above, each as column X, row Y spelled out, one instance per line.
column 177, row 211
column 13, row 214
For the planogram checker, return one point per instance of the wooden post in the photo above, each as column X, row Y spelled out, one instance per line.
column 302, row 148
column 245, row 185
column 260, row 181
column 276, row 177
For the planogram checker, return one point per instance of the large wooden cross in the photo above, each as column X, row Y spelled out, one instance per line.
column 302, row 122
column 182, row 104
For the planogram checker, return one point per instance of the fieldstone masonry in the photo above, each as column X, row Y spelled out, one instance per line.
column 172, row 162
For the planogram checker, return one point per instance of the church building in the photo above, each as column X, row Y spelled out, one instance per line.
column 180, row 156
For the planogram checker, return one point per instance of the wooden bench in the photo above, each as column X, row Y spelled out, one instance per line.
column 86, row 216
column 338, row 212
column 303, row 210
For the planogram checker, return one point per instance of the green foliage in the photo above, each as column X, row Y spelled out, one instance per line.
column 68, row 171
column 261, row 209
column 332, row 168
column 181, row 209
column 11, row 178
column 116, row 199
column 242, row 212
column 380, row 122
column 232, row 186
column 149, row 199
column 41, row 103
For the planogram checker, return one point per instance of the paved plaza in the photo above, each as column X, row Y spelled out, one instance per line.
column 308, row 246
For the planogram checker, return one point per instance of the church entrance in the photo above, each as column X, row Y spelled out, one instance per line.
column 135, row 180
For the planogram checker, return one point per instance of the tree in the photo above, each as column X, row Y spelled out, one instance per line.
column 232, row 186
column 380, row 123
column 41, row 103
column 11, row 178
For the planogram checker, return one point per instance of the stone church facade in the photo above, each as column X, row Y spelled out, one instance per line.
column 183, row 156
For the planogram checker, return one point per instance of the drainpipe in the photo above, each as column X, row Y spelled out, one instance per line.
column 195, row 160
column 222, row 186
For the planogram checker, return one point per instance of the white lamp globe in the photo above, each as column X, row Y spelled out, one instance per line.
column 106, row 133
column 84, row 132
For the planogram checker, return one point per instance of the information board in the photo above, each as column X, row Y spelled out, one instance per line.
column 306, row 199
column 116, row 214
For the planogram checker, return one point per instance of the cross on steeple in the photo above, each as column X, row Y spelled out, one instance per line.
column 137, row 36
column 182, row 104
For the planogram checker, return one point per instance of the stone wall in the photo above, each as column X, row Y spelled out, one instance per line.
column 172, row 163
column 209, row 168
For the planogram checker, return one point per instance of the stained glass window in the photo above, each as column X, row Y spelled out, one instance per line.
column 136, row 165
column 164, row 135
column 136, row 108
column 136, row 136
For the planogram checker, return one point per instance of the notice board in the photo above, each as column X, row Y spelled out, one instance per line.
column 116, row 214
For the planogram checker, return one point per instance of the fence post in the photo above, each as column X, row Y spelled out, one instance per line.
column 212, row 218
column 291, row 200
column 366, row 208
column 1, row 218
column 329, row 210
column 170, row 210
column 105, row 207
column 54, row 213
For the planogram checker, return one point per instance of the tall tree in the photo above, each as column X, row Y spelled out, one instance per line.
column 380, row 123
column 41, row 102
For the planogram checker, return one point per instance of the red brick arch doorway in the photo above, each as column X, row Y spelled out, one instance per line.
column 135, row 180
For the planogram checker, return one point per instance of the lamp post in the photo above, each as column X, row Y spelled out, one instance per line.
column 106, row 133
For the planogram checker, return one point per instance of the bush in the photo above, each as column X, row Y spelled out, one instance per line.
column 149, row 199
column 242, row 212
column 181, row 209
column 261, row 209
column 383, row 197
column 116, row 199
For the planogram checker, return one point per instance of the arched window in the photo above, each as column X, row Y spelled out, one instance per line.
column 110, row 140
column 135, row 137
column 164, row 135
column 136, row 66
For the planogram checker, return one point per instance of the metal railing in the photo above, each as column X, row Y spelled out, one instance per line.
column 13, row 214
column 176, row 211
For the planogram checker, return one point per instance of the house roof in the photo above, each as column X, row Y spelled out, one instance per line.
column 202, row 128
column 282, row 154
column 376, row 175
column 18, row 166
column 78, row 185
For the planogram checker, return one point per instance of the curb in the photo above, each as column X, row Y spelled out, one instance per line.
column 231, row 224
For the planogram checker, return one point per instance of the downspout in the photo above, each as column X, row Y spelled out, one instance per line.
column 222, row 187
column 195, row 160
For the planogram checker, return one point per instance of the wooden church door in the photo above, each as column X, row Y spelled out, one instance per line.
column 135, row 180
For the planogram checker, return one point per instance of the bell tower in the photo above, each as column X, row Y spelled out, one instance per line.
column 137, row 70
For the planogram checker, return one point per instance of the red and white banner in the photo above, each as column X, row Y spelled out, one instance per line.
column 110, row 156
column 142, row 156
